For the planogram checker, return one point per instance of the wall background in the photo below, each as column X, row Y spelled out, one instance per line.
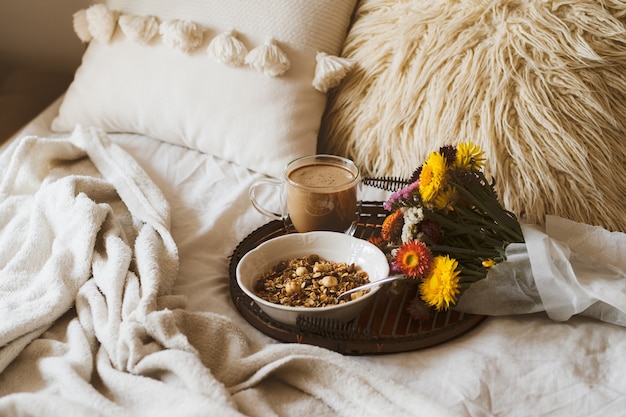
column 39, row 34
column 39, row 53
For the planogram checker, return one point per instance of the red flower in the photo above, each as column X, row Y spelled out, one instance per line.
column 418, row 310
column 414, row 259
column 432, row 230
column 377, row 241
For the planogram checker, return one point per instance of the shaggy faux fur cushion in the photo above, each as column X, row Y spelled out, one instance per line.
column 540, row 85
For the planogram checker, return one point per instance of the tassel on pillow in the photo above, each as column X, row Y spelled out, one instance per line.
column 81, row 28
column 330, row 71
column 141, row 29
column 269, row 59
column 101, row 22
column 227, row 49
column 183, row 35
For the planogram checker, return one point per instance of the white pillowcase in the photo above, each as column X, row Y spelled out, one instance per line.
column 238, row 113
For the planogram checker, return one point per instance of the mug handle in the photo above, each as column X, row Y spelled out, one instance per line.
column 252, row 193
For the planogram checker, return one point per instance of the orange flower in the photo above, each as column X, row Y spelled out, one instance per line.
column 414, row 259
column 392, row 226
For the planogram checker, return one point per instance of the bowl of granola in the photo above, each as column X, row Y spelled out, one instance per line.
column 305, row 274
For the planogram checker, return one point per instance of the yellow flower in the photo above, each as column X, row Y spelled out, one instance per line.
column 441, row 286
column 469, row 156
column 433, row 176
column 444, row 199
column 488, row 263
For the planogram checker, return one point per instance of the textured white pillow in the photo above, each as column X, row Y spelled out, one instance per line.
column 190, row 98
column 538, row 84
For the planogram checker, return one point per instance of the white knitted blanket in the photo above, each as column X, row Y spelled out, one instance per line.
column 88, row 323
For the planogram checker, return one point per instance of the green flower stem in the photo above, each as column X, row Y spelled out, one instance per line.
column 504, row 219
column 472, row 276
column 494, row 211
column 493, row 227
column 482, row 193
column 477, row 253
column 453, row 228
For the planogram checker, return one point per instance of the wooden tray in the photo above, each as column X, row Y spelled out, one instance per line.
column 384, row 326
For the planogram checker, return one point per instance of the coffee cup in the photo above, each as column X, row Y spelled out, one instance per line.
column 318, row 192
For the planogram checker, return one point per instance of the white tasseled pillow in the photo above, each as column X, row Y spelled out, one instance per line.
column 235, row 78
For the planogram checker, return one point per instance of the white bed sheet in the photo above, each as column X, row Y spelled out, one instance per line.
column 507, row 366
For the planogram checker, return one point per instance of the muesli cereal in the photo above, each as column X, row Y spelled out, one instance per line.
column 310, row 281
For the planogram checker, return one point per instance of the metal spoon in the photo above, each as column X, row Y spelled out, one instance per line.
column 372, row 284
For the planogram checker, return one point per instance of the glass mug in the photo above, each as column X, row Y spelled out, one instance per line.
column 318, row 192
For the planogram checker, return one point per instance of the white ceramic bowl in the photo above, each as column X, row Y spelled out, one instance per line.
column 332, row 246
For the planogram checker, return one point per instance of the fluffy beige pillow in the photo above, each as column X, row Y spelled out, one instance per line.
column 232, row 78
column 540, row 85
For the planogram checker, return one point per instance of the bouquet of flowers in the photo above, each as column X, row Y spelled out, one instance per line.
column 447, row 227
column 447, row 230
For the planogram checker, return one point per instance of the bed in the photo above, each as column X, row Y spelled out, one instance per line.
column 124, row 202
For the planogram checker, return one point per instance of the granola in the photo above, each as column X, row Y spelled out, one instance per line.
column 310, row 281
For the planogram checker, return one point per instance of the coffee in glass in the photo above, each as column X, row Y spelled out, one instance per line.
column 321, row 193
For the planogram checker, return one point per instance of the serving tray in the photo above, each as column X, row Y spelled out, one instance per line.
column 384, row 326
